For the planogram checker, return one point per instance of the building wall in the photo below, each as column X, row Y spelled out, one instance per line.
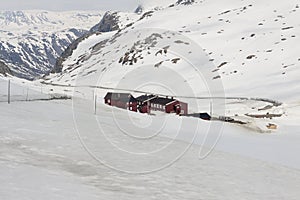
column 145, row 108
column 107, row 101
column 157, row 107
column 170, row 107
column 184, row 108
column 132, row 106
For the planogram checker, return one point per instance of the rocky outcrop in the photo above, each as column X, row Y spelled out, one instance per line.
column 68, row 52
column 4, row 69
column 185, row 2
column 109, row 22
column 139, row 10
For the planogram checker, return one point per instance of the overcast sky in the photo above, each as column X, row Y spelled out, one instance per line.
column 59, row 5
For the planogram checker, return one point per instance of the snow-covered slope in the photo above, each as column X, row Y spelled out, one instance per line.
column 207, row 48
column 251, row 54
column 31, row 41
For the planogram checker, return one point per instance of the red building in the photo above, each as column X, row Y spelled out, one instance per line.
column 121, row 100
column 146, row 103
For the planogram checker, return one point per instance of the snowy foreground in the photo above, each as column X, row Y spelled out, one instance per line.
column 47, row 152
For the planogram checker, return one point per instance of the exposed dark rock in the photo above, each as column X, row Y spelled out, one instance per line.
column 4, row 69
column 32, row 58
column 109, row 22
column 158, row 52
column 175, row 60
column 287, row 28
column 185, row 2
column 216, row 77
column 68, row 52
column 139, row 10
column 222, row 64
column 147, row 14
column 250, row 57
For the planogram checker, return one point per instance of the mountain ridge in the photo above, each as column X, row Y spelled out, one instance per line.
column 31, row 41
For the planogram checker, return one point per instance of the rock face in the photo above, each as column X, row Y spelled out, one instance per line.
column 109, row 22
column 139, row 10
column 68, row 52
column 34, row 57
column 4, row 69
column 185, row 2
column 31, row 41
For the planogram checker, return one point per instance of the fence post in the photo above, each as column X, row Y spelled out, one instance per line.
column 27, row 95
column 95, row 104
column 8, row 92
column 210, row 108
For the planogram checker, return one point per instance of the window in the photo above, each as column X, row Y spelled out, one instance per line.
column 108, row 101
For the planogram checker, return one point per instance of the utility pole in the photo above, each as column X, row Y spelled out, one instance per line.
column 8, row 92
column 210, row 107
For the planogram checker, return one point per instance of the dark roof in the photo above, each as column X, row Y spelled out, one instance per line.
column 144, row 97
column 200, row 115
column 162, row 101
column 205, row 115
column 108, row 95
column 155, row 100
column 124, row 97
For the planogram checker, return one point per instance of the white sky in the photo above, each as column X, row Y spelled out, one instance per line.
column 63, row 5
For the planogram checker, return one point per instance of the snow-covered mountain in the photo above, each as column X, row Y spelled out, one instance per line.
column 111, row 21
column 183, row 49
column 249, row 52
column 31, row 41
